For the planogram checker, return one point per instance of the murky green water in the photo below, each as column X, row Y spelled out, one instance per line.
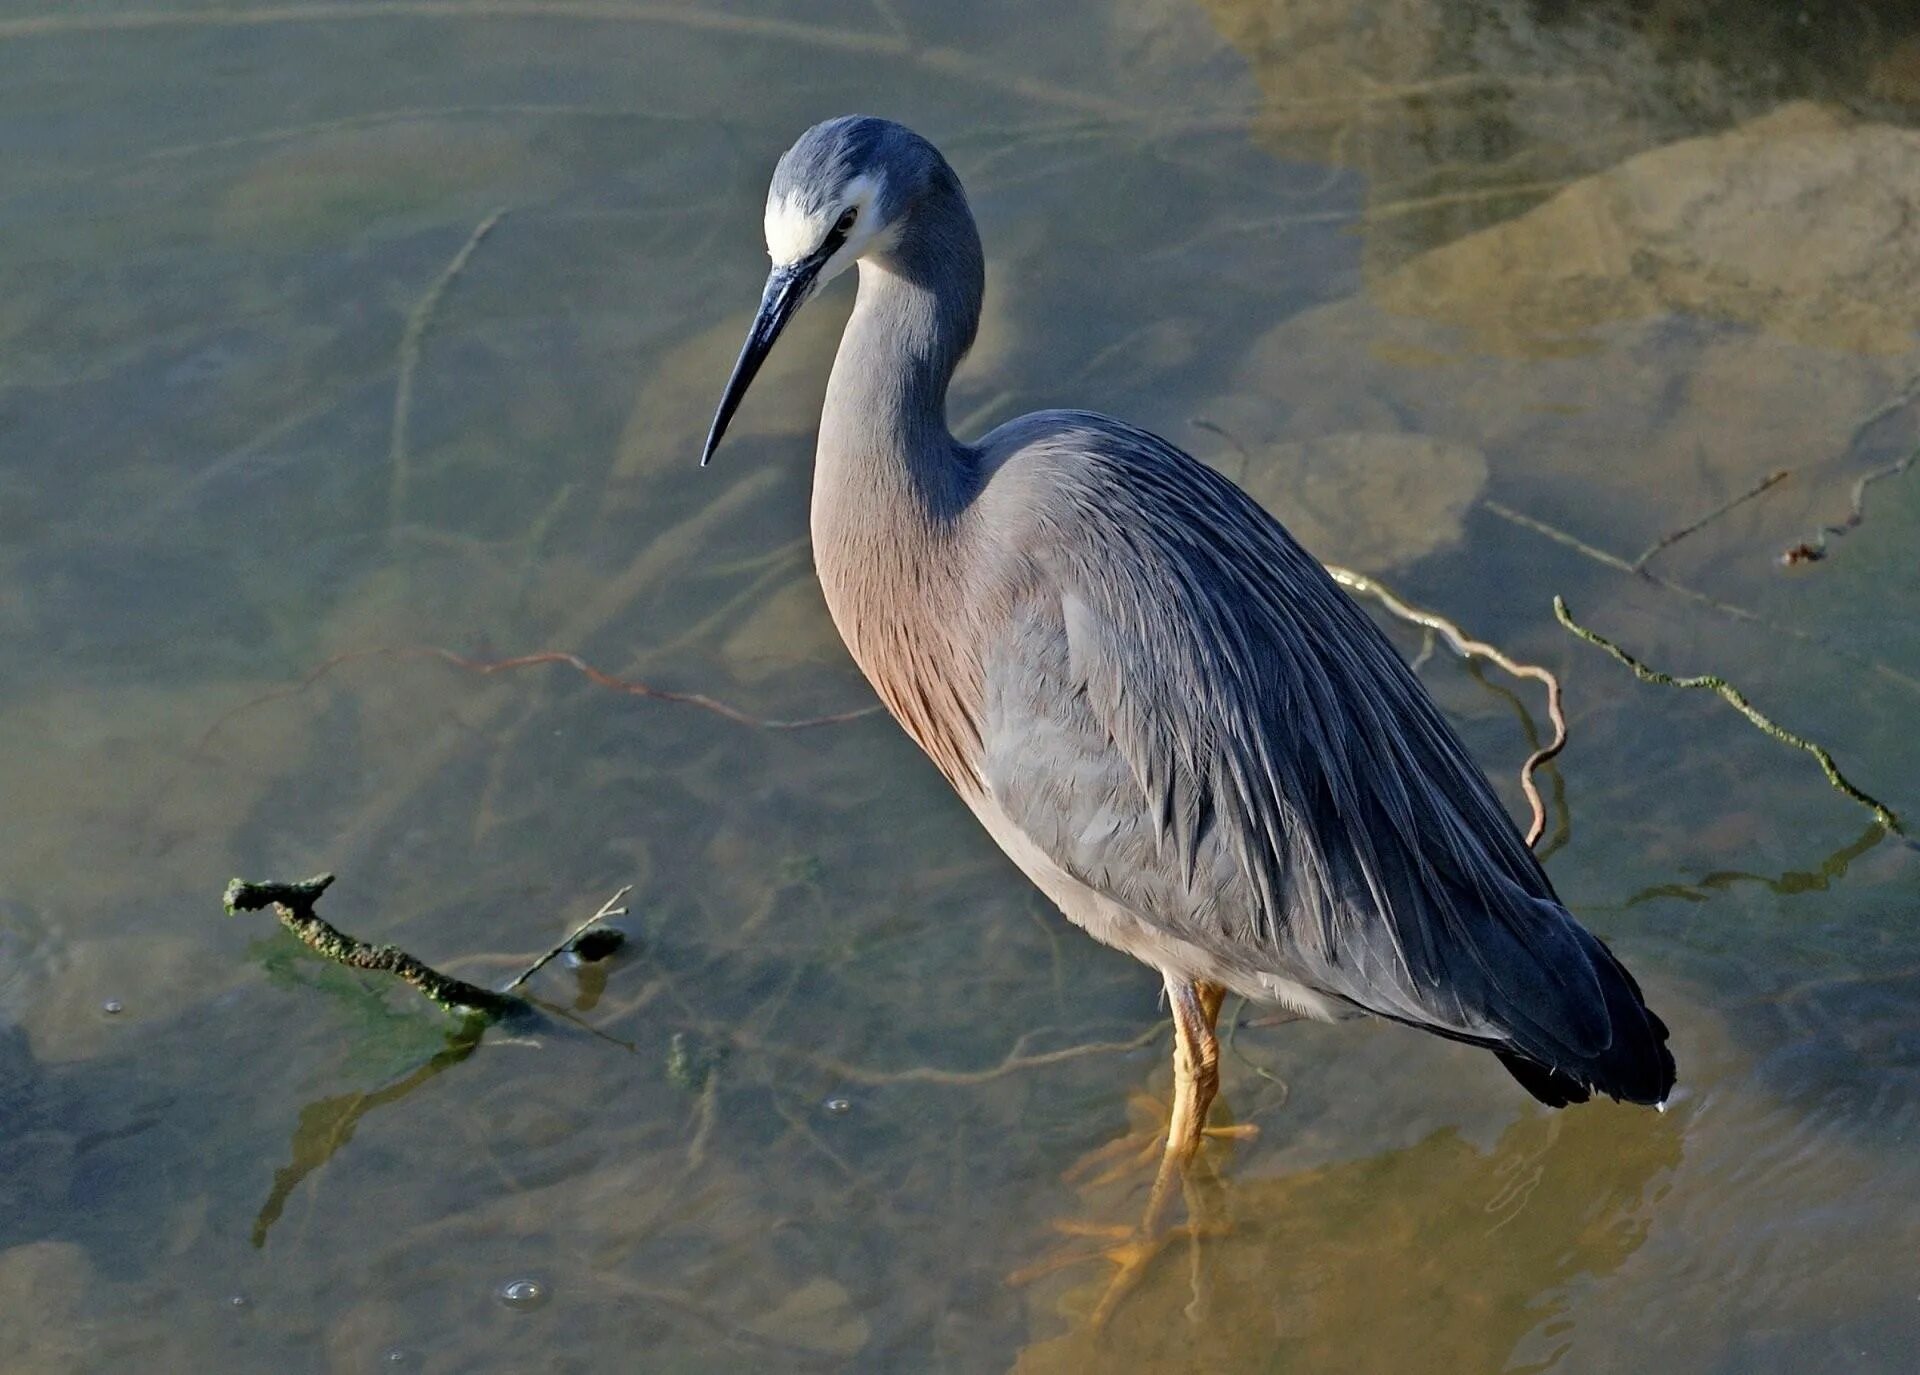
column 1435, row 277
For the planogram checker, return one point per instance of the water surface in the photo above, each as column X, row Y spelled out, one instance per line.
column 335, row 329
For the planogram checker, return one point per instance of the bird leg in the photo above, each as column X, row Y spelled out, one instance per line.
column 1175, row 1130
column 1196, row 1080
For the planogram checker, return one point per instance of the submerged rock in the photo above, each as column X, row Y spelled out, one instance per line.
column 1370, row 499
column 1648, row 342
column 1800, row 224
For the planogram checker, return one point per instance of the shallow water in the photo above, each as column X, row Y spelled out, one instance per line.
column 333, row 329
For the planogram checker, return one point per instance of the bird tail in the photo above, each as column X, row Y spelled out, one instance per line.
column 1635, row 1066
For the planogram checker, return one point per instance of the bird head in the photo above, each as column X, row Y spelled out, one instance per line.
column 840, row 194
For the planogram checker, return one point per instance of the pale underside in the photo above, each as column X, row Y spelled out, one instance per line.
column 1113, row 924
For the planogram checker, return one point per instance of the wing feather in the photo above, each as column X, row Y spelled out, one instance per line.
column 1239, row 756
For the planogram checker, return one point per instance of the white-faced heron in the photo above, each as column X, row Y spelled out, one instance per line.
column 1158, row 704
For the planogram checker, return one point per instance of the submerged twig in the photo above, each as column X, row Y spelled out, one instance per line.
column 399, row 459
column 1559, row 536
column 1815, row 549
column 635, row 688
column 1727, row 609
column 1739, row 703
column 293, row 904
column 486, row 667
column 1674, row 537
column 1014, row 1063
column 1468, row 648
column 609, row 908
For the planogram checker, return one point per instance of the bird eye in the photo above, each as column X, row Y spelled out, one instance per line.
column 844, row 224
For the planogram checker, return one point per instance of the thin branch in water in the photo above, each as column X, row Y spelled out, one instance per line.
column 1419, row 661
column 293, row 904
column 1559, row 536
column 412, row 114
column 1014, row 1063
column 1732, row 696
column 1467, row 648
column 1727, row 609
column 633, row 687
column 399, row 460
column 609, row 908
column 1668, row 540
column 1815, row 549
column 1562, row 829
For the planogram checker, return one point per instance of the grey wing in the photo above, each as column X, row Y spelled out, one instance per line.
column 1188, row 716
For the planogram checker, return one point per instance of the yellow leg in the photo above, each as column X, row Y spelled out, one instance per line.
column 1196, row 1080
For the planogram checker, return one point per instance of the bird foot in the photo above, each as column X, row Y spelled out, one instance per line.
column 1141, row 1146
column 1175, row 1133
column 1130, row 1250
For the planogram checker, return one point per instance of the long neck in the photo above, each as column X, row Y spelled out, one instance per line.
column 891, row 486
column 885, row 450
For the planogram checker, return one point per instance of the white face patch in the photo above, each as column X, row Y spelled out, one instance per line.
column 793, row 233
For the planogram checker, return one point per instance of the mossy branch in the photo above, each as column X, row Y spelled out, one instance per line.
column 1739, row 703
column 293, row 904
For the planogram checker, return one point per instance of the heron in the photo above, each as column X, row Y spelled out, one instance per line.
column 1161, row 707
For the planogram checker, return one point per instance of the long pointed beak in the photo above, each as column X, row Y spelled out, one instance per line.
column 787, row 290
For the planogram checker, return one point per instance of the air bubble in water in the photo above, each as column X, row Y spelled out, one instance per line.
column 523, row 1293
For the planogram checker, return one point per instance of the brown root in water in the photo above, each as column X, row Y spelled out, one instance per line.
column 633, row 687
column 1016, row 1061
column 1815, row 549
column 1468, row 648
column 293, row 904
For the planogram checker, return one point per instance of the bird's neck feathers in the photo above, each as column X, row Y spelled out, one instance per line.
column 884, row 441
column 892, row 486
